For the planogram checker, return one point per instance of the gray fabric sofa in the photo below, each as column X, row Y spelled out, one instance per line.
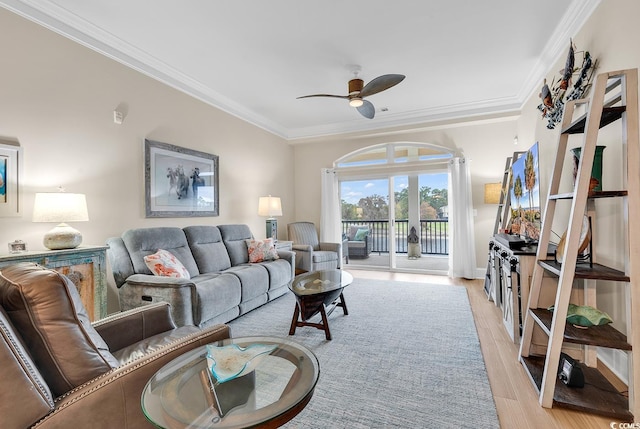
column 223, row 283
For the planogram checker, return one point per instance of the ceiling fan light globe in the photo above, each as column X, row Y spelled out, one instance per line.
column 356, row 102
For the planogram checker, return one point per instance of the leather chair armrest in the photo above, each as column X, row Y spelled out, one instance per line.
column 123, row 329
column 113, row 399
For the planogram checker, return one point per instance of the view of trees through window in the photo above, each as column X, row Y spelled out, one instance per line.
column 368, row 199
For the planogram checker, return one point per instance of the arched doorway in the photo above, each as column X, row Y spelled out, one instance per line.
column 387, row 189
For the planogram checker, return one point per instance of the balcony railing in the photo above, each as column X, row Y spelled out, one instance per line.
column 434, row 237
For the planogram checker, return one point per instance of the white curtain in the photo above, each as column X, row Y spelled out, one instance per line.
column 330, row 231
column 462, row 248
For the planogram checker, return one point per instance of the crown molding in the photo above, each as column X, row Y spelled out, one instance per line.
column 67, row 24
column 556, row 47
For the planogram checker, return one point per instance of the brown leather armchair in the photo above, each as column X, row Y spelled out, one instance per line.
column 58, row 370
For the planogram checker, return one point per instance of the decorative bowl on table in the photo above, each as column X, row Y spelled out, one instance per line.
column 232, row 361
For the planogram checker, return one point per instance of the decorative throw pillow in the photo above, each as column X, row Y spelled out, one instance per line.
column 262, row 250
column 584, row 315
column 361, row 234
column 163, row 263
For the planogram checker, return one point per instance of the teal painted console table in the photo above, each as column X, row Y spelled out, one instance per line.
column 85, row 266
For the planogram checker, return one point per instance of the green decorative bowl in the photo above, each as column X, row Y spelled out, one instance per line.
column 232, row 361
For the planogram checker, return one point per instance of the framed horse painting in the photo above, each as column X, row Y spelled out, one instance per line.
column 179, row 182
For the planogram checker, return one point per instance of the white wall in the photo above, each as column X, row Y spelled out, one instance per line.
column 56, row 100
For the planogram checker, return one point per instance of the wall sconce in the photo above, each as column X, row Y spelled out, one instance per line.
column 61, row 207
column 270, row 206
column 492, row 193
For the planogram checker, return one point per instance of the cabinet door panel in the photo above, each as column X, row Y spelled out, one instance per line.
column 82, row 276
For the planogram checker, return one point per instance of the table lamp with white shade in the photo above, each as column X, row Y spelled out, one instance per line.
column 270, row 206
column 61, row 207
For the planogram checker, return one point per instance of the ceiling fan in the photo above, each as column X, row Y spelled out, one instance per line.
column 358, row 91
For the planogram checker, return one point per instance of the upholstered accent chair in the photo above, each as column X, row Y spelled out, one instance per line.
column 59, row 370
column 359, row 241
column 311, row 254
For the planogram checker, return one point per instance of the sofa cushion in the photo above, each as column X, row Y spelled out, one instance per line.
column 216, row 294
column 357, row 244
column 279, row 273
column 207, row 247
column 261, row 250
column 45, row 307
column 141, row 242
column 163, row 263
column 234, row 237
column 253, row 277
column 24, row 386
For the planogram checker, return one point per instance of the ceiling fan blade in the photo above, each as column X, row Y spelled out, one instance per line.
column 367, row 110
column 324, row 95
column 381, row 83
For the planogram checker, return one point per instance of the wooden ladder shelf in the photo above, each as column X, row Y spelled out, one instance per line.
column 614, row 98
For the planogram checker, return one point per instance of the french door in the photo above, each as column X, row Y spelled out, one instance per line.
column 371, row 203
column 389, row 207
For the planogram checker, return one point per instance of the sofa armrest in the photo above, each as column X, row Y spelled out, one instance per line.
column 112, row 400
column 151, row 280
column 125, row 328
column 290, row 257
column 143, row 289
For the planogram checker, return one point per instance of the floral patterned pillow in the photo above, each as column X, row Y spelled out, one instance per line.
column 262, row 250
column 164, row 263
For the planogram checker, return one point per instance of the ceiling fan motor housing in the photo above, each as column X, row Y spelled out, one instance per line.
column 355, row 86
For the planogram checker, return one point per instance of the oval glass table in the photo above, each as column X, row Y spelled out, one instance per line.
column 186, row 394
column 318, row 292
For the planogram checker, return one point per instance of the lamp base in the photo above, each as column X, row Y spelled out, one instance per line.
column 272, row 229
column 62, row 236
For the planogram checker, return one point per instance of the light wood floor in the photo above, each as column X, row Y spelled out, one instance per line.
column 514, row 395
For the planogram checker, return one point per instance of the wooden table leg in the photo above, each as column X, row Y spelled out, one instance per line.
column 325, row 323
column 294, row 322
column 343, row 304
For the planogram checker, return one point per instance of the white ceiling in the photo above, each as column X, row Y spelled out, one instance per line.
column 252, row 58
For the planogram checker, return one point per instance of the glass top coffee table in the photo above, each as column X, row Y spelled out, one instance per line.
column 318, row 292
column 186, row 394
